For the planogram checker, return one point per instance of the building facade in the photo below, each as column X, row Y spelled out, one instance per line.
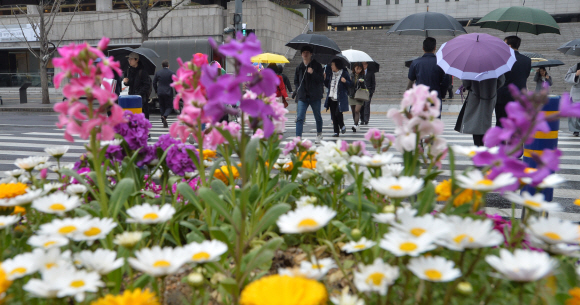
column 381, row 14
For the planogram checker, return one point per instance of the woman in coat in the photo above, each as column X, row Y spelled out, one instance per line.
column 573, row 77
column 476, row 114
column 358, row 82
column 337, row 81
column 542, row 77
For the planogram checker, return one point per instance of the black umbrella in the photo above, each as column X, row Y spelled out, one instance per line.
column 319, row 43
column 427, row 24
column 547, row 64
column 145, row 55
column 410, row 61
column 325, row 59
column 571, row 47
column 532, row 54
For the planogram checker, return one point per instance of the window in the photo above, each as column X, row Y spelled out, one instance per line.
column 396, row 1
column 416, row 1
column 426, row 1
column 359, row 2
column 388, row 2
column 446, row 0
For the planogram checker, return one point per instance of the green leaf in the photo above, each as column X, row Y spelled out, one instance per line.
column 251, row 153
column 311, row 189
column 230, row 285
column 184, row 211
column 212, row 199
column 219, row 234
column 426, row 199
column 121, row 193
column 270, row 217
column 351, row 201
column 342, row 228
column 288, row 188
column 259, row 256
column 142, row 281
column 220, row 187
column 81, row 180
column 187, row 192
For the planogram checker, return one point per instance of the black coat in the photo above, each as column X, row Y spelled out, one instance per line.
column 162, row 82
column 139, row 82
column 370, row 82
column 341, row 91
column 518, row 76
column 309, row 85
column 425, row 71
column 287, row 83
column 356, row 84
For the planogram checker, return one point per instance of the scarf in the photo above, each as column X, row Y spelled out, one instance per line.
column 334, row 85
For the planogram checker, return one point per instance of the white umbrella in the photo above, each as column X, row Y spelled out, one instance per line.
column 359, row 56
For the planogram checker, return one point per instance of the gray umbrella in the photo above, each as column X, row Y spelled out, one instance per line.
column 410, row 61
column 571, row 47
column 325, row 59
column 532, row 54
column 427, row 24
column 547, row 64
column 319, row 43
column 145, row 55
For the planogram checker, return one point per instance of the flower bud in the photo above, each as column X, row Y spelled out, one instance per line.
column 464, row 288
column 356, row 234
column 195, row 279
column 389, row 209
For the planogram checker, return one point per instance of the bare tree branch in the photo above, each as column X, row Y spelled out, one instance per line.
column 77, row 5
column 37, row 55
column 163, row 16
column 132, row 7
column 135, row 24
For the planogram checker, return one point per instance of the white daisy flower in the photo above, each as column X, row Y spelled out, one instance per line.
column 115, row 142
column 522, row 265
column 405, row 244
column 76, row 189
column 394, row 170
column 57, row 151
column 30, row 163
column 95, row 228
column 377, row 160
column 47, row 241
column 564, row 249
column 41, row 288
column 376, row 277
column 553, row 230
column 159, row 262
column 110, row 173
column 475, row 180
column 552, row 181
column 389, row 218
column 422, row 225
column 307, row 219
column 469, row 233
column 434, row 269
column 76, row 283
column 291, row 272
column 471, row 151
column 318, row 268
column 306, row 200
column 535, row 202
column 57, row 203
column 206, row 251
column 150, row 214
column 397, row 187
column 22, row 199
column 53, row 186
column 15, row 173
column 128, row 239
column 63, row 227
column 357, row 246
column 42, row 166
column 102, row 261
column 52, row 258
column 346, row 298
column 20, row 266
column 7, row 221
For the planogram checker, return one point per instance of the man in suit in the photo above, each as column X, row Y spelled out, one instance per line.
column 425, row 71
column 370, row 84
column 518, row 76
column 162, row 85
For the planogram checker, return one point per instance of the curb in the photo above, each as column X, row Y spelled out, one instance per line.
column 21, row 109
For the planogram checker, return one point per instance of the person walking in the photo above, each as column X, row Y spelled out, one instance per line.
column 542, row 77
column 573, row 77
column 370, row 82
column 358, row 82
column 281, row 93
column 449, row 89
column 138, row 81
column 285, row 79
column 162, row 85
column 337, row 81
column 425, row 71
column 309, row 81
column 518, row 76
column 476, row 114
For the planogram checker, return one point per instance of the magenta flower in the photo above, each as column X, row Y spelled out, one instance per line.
column 567, row 107
column 242, row 48
column 199, row 59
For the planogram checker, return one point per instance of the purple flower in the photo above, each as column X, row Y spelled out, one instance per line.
column 135, row 131
column 146, row 155
column 257, row 109
column 242, row 48
column 501, row 163
column 265, row 83
column 165, row 141
column 178, row 160
column 115, row 153
column 568, row 108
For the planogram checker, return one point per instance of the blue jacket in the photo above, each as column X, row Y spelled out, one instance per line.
column 425, row 71
column 342, row 91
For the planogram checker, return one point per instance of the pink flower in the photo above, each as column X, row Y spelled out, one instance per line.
column 103, row 43
column 258, row 134
column 373, row 134
column 199, row 59
column 43, row 173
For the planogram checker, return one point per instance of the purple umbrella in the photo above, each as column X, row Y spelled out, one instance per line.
column 476, row 57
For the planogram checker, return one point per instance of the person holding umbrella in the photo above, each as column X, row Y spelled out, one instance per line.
column 370, row 83
column 138, row 81
column 358, row 82
column 162, row 85
column 337, row 81
column 542, row 77
column 308, row 80
column 573, row 78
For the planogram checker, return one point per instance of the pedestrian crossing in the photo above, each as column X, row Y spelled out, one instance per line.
column 22, row 143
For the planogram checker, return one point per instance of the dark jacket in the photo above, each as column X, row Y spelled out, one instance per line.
column 341, row 91
column 356, row 84
column 119, row 83
column 162, row 82
column 539, row 82
column 425, row 71
column 518, row 76
column 139, row 82
column 309, row 85
column 286, row 82
column 370, row 82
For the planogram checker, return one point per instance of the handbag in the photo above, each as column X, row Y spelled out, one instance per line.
column 362, row 95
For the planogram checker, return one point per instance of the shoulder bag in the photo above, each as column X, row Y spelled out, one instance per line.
column 362, row 95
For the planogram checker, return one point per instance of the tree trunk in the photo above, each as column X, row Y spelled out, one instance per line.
column 44, row 82
column 144, row 21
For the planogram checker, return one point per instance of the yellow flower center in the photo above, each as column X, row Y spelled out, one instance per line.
column 317, row 266
column 49, row 243
column 375, row 278
column 161, row 263
column 19, row 270
column 396, row 187
column 151, row 216
column 530, row 170
column 532, row 203
column 200, row 256
column 359, row 246
column 408, row 247
column 67, row 229
column 77, row 284
column 2, row 224
column 93, row 231
column 418, row 231
column 552, row 235
column 459, row 238
column 433, row 274
column 472, row 153
column 11, row 190
column 50, row 265
column 308, row 222
column 57, row 207
column 577, row 202
column 485, row 182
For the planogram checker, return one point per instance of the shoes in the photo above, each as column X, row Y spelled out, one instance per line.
column 164, row 120
column 354, row 128
column 576, row 134
column 343, row 130
column 318, row 138
column 336, row 135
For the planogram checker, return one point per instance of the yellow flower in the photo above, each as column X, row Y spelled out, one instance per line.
column 443, row 190
column 288, row 167
column 466, row 196
column 135, row 297
column 307, row 156
column 284, row 290
column 577, row 201
column 575, row 294
column 208, row 154
column 309, row 164
column 4, row 284
column 19, row 210
column 11, row 190
column 223, row 173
